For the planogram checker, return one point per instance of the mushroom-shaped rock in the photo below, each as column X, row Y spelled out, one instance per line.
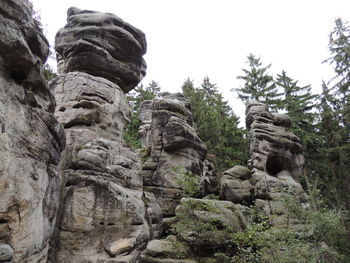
column 103, row 45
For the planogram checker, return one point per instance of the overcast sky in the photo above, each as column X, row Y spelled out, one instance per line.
column 195, row 38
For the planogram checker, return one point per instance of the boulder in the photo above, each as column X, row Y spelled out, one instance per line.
column 31, row 139
column 238, row 172
column 101, row 44
column 6, row 253
column 206, row 223
column 236, row 191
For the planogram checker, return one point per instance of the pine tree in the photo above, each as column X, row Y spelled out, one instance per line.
column 258, row 84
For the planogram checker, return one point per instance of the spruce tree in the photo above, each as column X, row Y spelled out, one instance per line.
column 335, row 112
column 258, row 83
column 300, row 105
column 298, row 102
column 216, row 124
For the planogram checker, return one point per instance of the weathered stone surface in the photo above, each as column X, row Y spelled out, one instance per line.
column 236, row 190
column 238, row 172
column 160, row 248
column 121, row 246
column 6, row 253
column 31, row 139
column 105, row 216
column 103, row 45
column 104, row 206
column 171, row 147
column 277, row 161
column 162, row 251
column 225, row 214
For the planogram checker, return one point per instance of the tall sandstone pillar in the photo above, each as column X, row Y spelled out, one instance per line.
column 104, row 216
column 31, row 139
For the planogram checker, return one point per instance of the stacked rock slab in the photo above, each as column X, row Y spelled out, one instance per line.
column 171, row 147
column 31, row 140
column 276, row 162
column 102, row 45
column 104, row 216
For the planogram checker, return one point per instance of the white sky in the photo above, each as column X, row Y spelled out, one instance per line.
column 195, row 38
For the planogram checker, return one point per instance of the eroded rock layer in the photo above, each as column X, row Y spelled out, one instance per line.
column 103, row 211
column 103, row 45
column 276, row 165
column 171, row 147
column 31, row 140
column 105, row 216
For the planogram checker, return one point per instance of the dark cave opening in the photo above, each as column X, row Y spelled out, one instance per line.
column 274, row 165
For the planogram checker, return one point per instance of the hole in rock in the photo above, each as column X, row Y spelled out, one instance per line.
column 3, row 221
column 274, row 165
column 18, row 76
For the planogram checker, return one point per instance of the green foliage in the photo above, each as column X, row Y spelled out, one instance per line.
column 131, row 132
column 48, row 72
column 216, row 125
column 142, row 93
column 182, row 250
column 319, row 236
column 189, row 182
column 299, row 104
column 258, row 83
column 335, row 119
column 200, row 226
column 145, row 154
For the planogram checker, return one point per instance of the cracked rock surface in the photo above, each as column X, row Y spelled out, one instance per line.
column 31, row 139
column 103, row 45
column 105, row 215
column 171, row 147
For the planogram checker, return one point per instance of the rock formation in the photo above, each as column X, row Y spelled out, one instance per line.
column 171, row 147
column 277, row 160
column 104, row 215
column 102, row 45
column 101, row 202
column 31, row 140
column 276, row 165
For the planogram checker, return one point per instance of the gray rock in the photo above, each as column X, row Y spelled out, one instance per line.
column 238, row 172
column 225, row 216
column 163, row 251
column 103, row 45
column 236, row 190
column 105, row 216
column 172, row 148
column 31, row 139
column 160, row 248
column 103, row 210
column 6, row 253
column 277, row 160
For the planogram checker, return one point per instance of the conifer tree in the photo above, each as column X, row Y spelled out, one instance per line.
column 258, row 84
column 335, row 113
column 216, row 124
column 131, row 133
column 298, row 103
